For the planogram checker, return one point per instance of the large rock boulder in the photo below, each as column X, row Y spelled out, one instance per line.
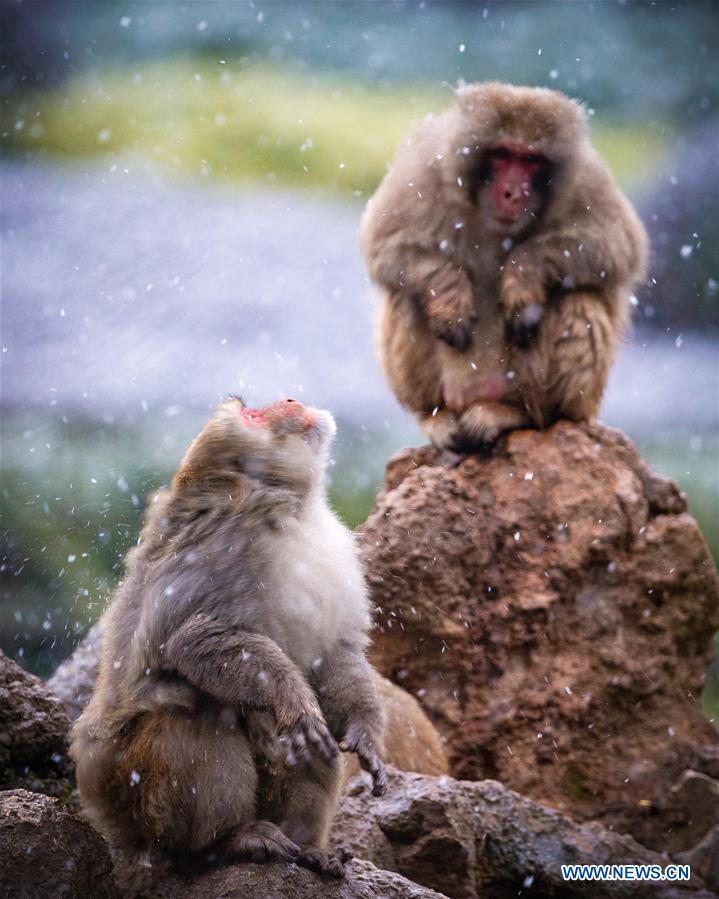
column 479, row 839
column 552, row 605
column 33, row 733
column 280, row 881
column 46, row 852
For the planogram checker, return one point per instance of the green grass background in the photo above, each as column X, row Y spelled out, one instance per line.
column 199, row 117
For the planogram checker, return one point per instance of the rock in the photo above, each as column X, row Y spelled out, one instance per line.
column 274, row 881
column 691, row 809
column 704, row 859
column 413, row 742
column 33, row 733
column 552, row 605
column 48, row 852
column 477, row 839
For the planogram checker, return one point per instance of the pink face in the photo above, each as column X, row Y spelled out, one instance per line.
column 514, row 173
column 287, row 412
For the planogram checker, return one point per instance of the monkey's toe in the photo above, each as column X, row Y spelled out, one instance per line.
column 323, row 862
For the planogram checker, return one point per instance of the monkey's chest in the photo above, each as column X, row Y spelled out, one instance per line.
column 316, row 596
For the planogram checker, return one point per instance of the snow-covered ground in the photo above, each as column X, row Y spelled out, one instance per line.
column 123, row 293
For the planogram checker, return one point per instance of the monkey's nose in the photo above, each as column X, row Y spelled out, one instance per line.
column 290, row 402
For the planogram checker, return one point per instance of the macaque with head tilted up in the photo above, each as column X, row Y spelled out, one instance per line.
column 233, row 658
column 506, row 258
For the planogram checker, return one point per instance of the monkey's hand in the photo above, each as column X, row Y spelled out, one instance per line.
column 309, row 734
column 356, row 739
column 449, row 305
column 522, row 298
column 267, row 747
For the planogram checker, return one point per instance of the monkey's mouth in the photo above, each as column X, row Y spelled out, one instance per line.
column 320, row 424
column 254, row 417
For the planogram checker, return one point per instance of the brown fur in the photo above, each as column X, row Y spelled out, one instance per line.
column 233, row 657
column 466, row 305
column 411, row 741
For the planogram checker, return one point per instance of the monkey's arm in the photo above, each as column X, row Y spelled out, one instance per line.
column 602, row 246
column 246, row 670
column 348, row 695
column 441, row 287
column 400, row 235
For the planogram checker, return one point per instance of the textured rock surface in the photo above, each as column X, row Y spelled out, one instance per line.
column 280, row 881
column 478, row 839
column 45, row 851
column 33, row 733
column 552, row 605
column 704, row 859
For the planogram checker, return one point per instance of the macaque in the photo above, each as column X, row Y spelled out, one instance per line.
column 506, row 258
column 233, row 657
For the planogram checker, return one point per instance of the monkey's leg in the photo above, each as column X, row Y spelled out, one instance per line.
column 258, row 841
column 187, row 785
column 303, row 802
column 564, row 374
column 408, row 353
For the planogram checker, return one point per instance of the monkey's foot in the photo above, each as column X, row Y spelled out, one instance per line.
column 483, row 422
column 261, row 841
column 443, row 429
column 324, row 862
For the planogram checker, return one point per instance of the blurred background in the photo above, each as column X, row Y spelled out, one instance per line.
column 181, row 189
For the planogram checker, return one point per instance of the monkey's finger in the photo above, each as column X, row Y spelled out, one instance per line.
column 371, row 762
column 323, row 742
column 352, row 738
column 379, row 777
column 379, row 782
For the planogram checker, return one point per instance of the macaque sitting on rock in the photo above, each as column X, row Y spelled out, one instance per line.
column 233, row 659
column 506, row 258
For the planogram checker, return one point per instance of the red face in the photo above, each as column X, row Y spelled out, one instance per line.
column 515, row 178
column 288, row 412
